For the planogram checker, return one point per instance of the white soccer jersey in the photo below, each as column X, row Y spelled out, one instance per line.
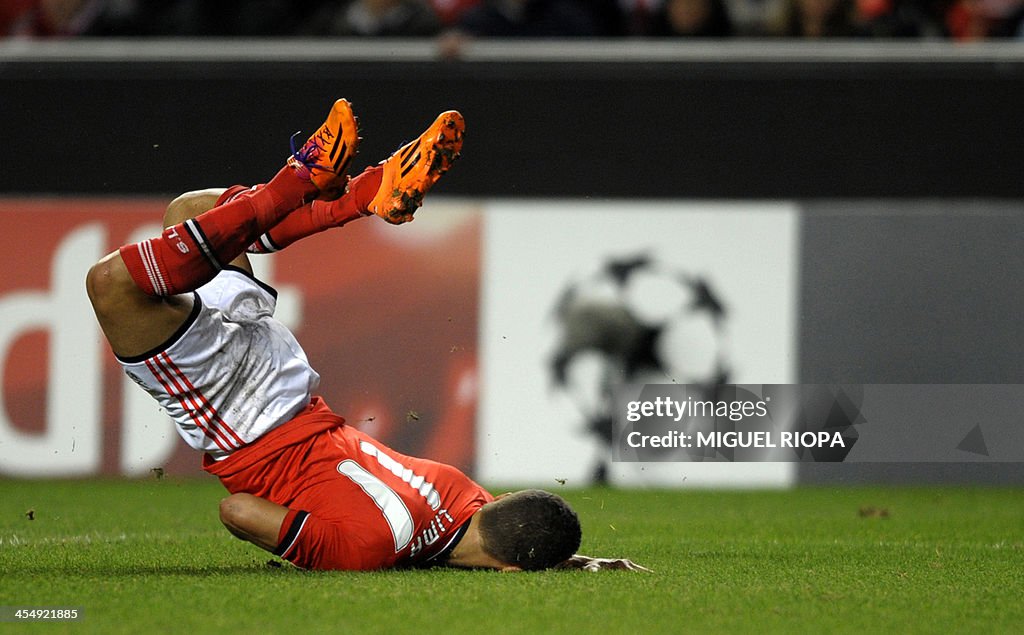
column 232, row 372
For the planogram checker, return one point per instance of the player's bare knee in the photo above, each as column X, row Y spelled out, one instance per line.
column 190, row 204
column 107, row 282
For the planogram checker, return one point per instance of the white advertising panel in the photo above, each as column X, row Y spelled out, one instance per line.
column 580, row 296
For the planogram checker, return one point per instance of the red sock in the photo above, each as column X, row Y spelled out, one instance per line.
column 188, row 255
column 318, row 216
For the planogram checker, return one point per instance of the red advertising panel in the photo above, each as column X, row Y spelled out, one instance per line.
column 387, row 315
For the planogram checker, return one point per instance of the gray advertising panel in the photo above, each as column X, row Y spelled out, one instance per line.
column 912, row 292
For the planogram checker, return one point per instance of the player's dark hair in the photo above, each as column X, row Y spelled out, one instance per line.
column 531, row 529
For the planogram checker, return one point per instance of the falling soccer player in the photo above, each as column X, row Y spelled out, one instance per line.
column 190, row 324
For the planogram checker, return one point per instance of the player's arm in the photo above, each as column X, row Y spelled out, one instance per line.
column 192, row 204
column 588, row 563
column 253, row 519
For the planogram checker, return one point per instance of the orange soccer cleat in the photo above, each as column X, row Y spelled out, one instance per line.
column 326, row 155
column 410, row 172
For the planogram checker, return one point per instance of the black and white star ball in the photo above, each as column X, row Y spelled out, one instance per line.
column 636, row 319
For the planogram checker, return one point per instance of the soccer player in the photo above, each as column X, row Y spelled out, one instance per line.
column 191, row 325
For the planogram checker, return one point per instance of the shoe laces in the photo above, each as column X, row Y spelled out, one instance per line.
column 307, row 154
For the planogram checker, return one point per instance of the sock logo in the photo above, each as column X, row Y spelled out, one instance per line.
column 172, row 233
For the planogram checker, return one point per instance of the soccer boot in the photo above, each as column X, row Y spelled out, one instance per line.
column 410, row 172
column 326, row 155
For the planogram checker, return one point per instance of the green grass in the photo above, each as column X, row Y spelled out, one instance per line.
column 151, row 556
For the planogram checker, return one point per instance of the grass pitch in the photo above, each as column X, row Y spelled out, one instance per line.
column 151, row 556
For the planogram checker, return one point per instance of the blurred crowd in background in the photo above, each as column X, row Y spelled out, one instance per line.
column 456, row 20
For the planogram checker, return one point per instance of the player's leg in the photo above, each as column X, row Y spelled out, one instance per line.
column 311, row 218
column 189, row 254
column 193, row 204
column 135, row 291
column 132, row 320
column 393, row 189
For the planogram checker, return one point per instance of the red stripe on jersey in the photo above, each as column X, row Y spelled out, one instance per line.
column 214, row 417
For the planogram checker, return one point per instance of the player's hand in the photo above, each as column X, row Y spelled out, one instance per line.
column 587, row 563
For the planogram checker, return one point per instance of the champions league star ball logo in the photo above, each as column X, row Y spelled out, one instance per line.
column 636, row 320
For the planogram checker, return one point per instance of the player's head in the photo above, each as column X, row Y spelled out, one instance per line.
column 531, row 529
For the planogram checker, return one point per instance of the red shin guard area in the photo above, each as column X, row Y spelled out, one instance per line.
column 318, row 215
column 169, row 264
column 188, row 255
